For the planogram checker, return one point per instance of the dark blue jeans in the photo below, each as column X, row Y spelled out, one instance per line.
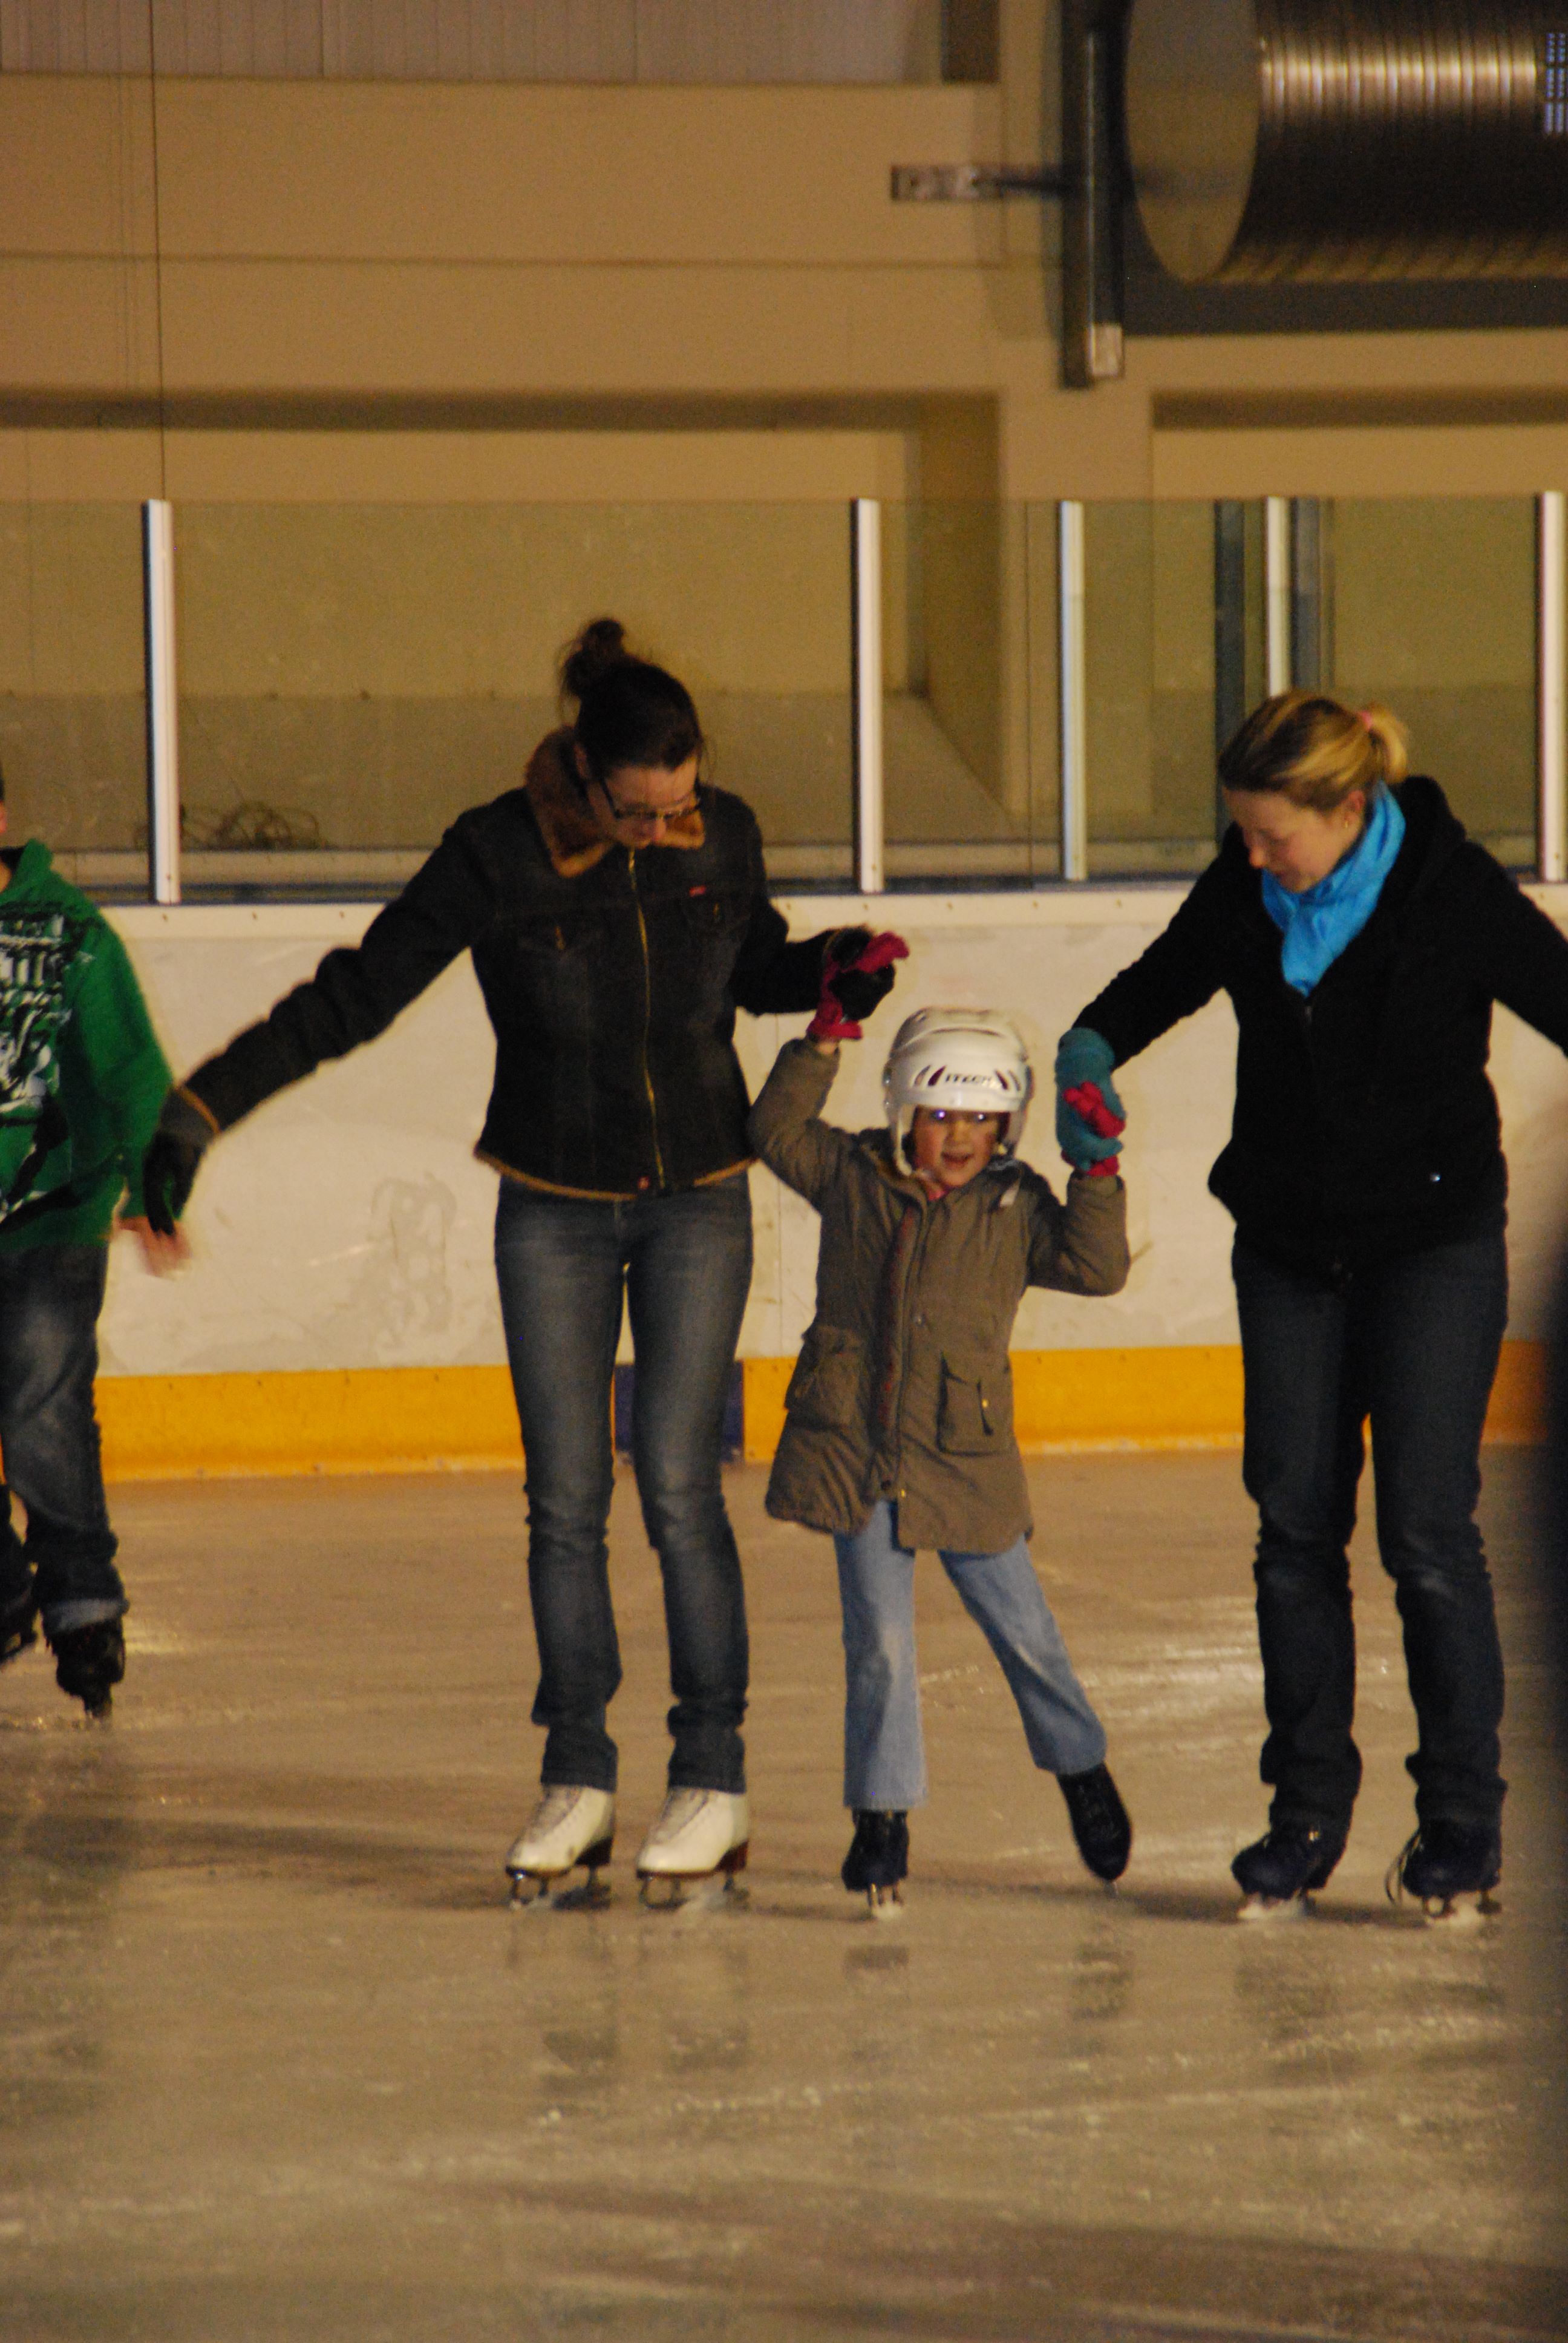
column 50, row 1298
column 684, row 1264
column 1413, row 1345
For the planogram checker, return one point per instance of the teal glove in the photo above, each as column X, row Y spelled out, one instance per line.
column 1089, row 1141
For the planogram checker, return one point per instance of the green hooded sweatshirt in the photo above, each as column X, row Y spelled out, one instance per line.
column 81, row 1077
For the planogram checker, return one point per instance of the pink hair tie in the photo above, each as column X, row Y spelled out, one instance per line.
column 1364, row 717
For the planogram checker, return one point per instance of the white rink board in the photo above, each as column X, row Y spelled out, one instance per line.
column 347, row 1224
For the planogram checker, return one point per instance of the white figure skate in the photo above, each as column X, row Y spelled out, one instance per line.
column 698, row 1835
column 567, row 1828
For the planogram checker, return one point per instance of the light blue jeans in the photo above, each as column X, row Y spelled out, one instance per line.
column 884, row 1748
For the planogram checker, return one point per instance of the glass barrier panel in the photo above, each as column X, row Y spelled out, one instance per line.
column 353, row 677
column 1430, row 606
column 73, row 706
column 969, row 658
column 1149, row 603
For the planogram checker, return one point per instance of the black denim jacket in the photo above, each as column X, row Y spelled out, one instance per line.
column 611, row 976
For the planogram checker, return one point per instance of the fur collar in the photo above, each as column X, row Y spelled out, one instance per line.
column 572, row 839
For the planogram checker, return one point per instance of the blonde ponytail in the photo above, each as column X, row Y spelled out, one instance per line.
column 1315, row 752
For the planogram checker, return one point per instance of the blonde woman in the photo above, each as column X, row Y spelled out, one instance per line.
column 1362, row 939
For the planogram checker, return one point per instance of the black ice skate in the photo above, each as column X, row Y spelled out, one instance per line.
column 1100, row 1823
column 18, row 1627
column 1449, row 1868
column 878, row 1860
column 1279, row 1871
column 89, row 1662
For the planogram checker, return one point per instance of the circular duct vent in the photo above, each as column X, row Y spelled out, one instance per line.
column 1291, row 140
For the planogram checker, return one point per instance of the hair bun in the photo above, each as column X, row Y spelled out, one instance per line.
column 601, row 646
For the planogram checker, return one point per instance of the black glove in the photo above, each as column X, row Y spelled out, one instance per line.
column 856, row 970
column 169, row 1166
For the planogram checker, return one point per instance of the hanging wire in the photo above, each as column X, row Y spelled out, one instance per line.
column 162, row 405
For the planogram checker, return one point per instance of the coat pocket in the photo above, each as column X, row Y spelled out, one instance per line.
column 974, row 1412
column 717, row 913
column 824, row 1389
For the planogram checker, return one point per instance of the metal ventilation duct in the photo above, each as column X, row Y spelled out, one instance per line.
column 1291, row 140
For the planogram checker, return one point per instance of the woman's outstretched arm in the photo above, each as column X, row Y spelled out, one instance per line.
column 1178, row 973
column 352, row 996
column 1526, row 957
column 355, row 993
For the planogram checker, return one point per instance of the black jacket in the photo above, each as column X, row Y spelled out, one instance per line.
column 1366, row 1123
column 611, row 978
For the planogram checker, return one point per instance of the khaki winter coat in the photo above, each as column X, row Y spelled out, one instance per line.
column 904, row 1388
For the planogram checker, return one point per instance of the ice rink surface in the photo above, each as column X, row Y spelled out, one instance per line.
column 279, row 2061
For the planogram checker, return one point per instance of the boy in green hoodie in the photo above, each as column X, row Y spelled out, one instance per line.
column 82, row 1078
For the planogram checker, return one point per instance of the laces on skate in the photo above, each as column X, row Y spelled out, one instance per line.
column 1451, row 1870
column 571, row 1828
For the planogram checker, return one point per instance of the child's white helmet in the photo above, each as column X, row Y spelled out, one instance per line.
column 972, row 1061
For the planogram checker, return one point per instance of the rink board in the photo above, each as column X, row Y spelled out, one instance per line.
column 461, row 1419
column 340, row 1314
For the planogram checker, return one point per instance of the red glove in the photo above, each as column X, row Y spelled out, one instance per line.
column 1087, row 1101
column 852, row 987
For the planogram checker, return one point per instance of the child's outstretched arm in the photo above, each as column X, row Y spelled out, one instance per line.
column 787, row 1127
column 1081, row 1247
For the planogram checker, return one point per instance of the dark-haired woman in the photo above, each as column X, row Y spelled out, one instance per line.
column 1362, row 939
column 617, row 910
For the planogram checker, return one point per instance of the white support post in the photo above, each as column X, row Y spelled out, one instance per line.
column 1073, row 693
column 163, row 704
column 1277, row 598
column 866, row 689
column 1551, row 575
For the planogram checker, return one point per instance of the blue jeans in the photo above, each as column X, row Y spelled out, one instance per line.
column 1413, row 1344
column 884, row 1749
column 683, row 1263
column 50, row 1297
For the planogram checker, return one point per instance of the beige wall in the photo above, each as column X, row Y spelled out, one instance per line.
column 594, row 243
column 501, row 298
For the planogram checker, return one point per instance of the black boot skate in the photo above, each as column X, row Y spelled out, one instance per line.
column 878, row 1860
column 89, row 1662
column 1450, row 1868
column 1100, row 1823
column 18, row 1627
column 1278, row 1872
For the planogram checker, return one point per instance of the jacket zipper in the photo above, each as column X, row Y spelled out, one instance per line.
column 647, row 1014
column 911, row 1280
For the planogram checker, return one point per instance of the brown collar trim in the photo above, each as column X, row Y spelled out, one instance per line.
column 572, row 839
column 608, row 1195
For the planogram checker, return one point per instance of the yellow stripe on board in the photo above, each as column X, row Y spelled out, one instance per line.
column 357, row 1419
column 461, row 1419
column 1179, row 1396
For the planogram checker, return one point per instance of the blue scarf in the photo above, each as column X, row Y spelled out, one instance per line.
column 1319, row 923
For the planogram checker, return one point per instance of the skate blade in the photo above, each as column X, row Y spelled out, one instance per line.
column 1277, row 1908
column 532, row 1894
column 713, row 1891
column 884, row 1904
column 1466, row 1911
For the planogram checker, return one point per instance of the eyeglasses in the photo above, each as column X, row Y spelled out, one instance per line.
column 649, row 817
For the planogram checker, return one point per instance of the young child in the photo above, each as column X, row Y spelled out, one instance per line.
column 900, row 1411
column 82, row 1078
